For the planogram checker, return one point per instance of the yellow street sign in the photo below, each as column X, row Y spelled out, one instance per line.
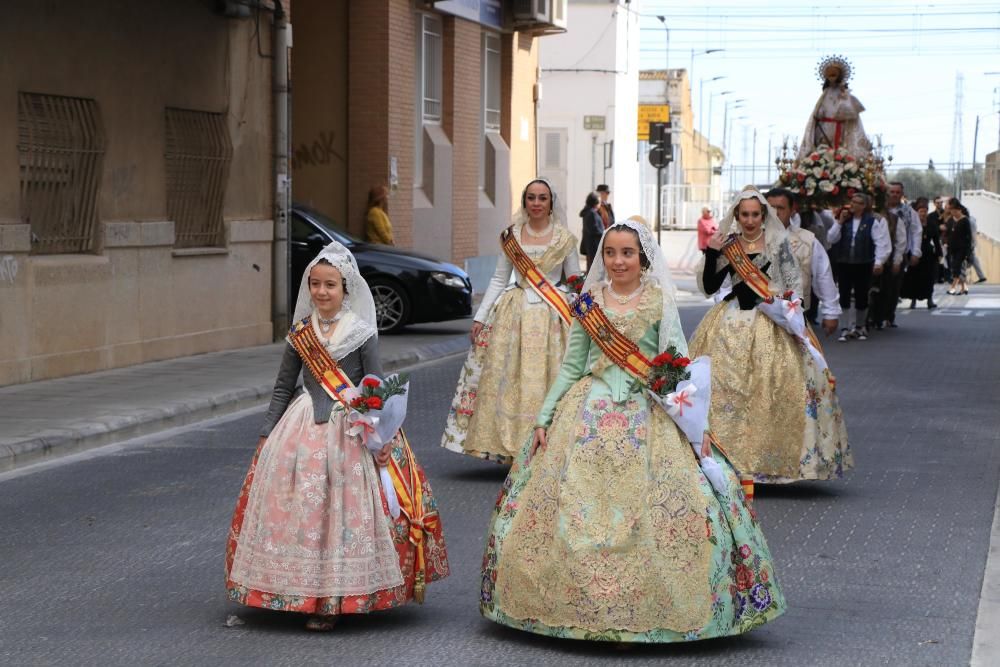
column 651, row 113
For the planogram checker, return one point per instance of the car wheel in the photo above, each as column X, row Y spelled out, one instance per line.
column 392, row 306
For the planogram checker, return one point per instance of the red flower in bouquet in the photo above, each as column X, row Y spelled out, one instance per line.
column 373, row 393
column 667, row 370
column 575, row 283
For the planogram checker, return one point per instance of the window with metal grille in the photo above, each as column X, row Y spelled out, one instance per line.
column 60, row 152
column 198, row 152
column 431, row 68
column 491, row 82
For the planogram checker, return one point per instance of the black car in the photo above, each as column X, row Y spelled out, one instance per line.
column 408, row 287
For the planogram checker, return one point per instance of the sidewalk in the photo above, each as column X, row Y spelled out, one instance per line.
column 51, row 418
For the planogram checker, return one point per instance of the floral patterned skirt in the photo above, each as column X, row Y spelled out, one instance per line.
column 774, row 410
column 312, row 531
column 614, row 533
column 503, row 383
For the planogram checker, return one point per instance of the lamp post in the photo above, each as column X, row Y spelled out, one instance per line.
column 730, row 104
column 666, row 99
column 710, row 98
column 701, row 97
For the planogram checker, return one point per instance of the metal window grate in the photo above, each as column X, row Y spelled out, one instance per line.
column 198, row 153
column 60, row 153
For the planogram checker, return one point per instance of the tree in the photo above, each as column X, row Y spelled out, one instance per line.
column 922, row 183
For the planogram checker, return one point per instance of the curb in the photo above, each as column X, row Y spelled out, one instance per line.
column 53, row 443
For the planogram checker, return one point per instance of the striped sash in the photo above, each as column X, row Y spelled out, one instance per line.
column 532, row 274
column 618, row 347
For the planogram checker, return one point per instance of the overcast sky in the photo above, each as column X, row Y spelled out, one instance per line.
column 905, row 57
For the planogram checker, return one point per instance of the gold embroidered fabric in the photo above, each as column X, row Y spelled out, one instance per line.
column 558, row 248
column 801, row 242
column 758, row 389
column 611, row 530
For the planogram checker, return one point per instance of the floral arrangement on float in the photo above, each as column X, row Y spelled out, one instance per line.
column 829, row 177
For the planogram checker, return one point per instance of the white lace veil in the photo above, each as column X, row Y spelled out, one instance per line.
column 358, row 321
column 671, row 332
column 776, row 248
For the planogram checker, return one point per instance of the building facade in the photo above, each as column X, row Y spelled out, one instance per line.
column 436, row 100
column 135, row 183
column 587, row 116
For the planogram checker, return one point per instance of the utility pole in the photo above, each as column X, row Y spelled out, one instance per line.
column 956, row 135
column 975, row 142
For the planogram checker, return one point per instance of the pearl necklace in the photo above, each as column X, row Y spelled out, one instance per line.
column 326, row 325
column 624, row 299
column 531, row 232
column 752, row 242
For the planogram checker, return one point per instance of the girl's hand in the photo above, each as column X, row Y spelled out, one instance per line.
column 706, row 445
column 538, row 443
column 477, row 328
column 716, row 240
column 384, row 454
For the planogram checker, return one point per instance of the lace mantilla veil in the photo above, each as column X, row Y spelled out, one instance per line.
column 357, row 324
column 776, row 247
column 671, row 332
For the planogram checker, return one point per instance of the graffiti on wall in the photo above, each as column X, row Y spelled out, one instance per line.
column 319, row 151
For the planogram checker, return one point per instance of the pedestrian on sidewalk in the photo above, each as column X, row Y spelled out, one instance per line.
column 313, row 531
column 605, row 210
column 919, row 281
column 774, row 404
column 860, row 244
column 606, row 528
column 593, row 227
column 518, row 334
column 959, row 246
column 378, row 229
column 973, row 259
column 706, row 227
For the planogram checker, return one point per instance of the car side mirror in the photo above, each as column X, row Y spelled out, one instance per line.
column 316, row 242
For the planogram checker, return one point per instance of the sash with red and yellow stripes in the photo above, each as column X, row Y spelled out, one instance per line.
column 531, row 273
column 618, row 347
column 756, row 279
column 404, row 473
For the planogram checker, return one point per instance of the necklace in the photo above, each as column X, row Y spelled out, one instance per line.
column 325, row 325
column 531, row 232
column 628, row 297
column 751, row 243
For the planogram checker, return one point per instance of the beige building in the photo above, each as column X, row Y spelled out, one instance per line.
column 135, row 184
column 435, row 99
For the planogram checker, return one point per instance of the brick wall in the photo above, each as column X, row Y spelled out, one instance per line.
column 520, row 69
column 461, row 122
column 401, row 116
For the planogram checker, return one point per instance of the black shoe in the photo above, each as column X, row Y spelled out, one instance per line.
column 913, row 304
column 892, row 325
column 981, row 280
column 931, row 305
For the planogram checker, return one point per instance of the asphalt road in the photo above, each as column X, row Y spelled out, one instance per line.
column 116, row 557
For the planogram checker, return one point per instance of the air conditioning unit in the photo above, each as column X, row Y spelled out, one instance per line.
column 540, row 15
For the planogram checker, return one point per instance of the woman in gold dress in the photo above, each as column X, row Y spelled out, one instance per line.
column 518, row 336
column 774, row 403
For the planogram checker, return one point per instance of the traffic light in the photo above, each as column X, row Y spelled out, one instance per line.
column 661, row 150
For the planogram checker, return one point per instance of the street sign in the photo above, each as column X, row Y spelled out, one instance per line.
column 651, row 113
column 661, row 150
column 593, row 122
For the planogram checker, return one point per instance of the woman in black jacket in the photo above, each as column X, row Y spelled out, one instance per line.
column 918, row 283
column 959, row 246
column 593, row 228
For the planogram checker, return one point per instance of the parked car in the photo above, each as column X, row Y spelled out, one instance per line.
column 408, row 287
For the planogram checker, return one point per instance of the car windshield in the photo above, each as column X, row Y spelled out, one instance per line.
column 338, row 232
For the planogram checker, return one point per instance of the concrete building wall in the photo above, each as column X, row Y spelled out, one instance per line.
column 136, row 297
column 591, row 70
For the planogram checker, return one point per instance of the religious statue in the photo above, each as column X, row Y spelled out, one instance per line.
column 835, row 121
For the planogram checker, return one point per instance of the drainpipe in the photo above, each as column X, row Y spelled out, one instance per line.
column 281, row 258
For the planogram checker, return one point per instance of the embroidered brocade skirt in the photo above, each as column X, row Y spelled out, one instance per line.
column 613, row 533
column 774, row 410
column 312, row 531
column 505, row 378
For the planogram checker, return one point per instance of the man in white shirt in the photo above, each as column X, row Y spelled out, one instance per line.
column 859, row 242
column 888, row 285
column 814, row 264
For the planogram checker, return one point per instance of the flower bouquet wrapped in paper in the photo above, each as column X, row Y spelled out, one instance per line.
column 786, row 312
column 378, row 408
column 683, row 388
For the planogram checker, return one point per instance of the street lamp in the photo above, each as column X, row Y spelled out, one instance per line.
column 710, row 99
column 701, row 108
column 730, row 104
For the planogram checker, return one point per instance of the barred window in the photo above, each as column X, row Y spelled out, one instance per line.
column 198, row 153
column 491, row 82
column 60, row 153
column 431, row 68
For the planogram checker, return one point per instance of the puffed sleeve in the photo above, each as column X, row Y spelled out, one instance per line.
column 497, row 284
column 574, row 366
column 284, row 387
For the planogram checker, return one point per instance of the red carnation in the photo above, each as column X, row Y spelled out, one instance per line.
column 370, row 382
column 826, row 174
column 814, row 156
column 357, row 402
column 802, row 177
column 373, row 403
column 835, row 190
column 658, row 384
column 662, row 358
column 681, row 362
